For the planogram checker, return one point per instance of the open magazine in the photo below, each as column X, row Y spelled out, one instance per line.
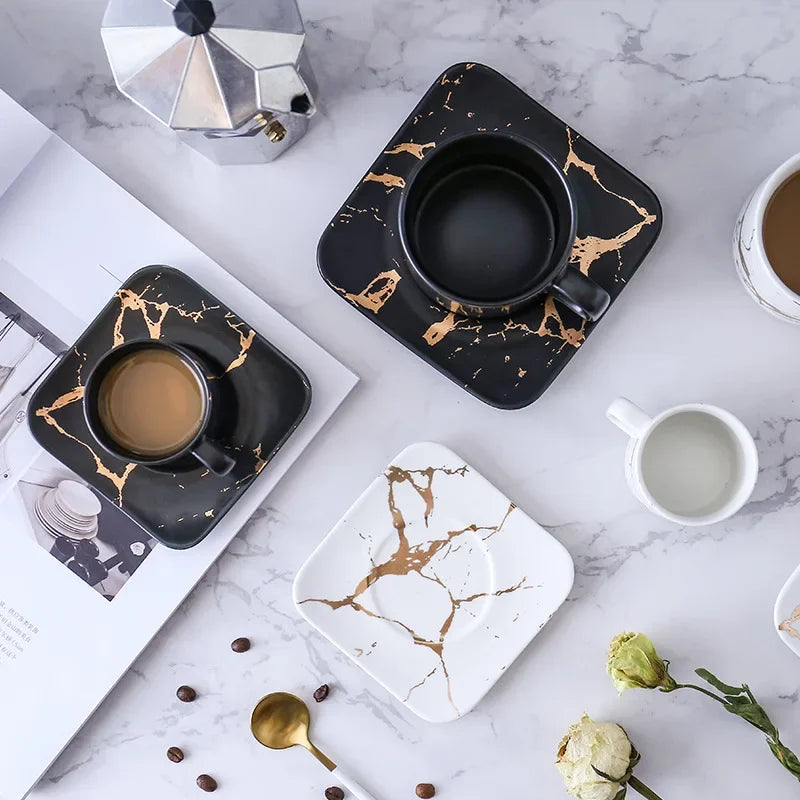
column 81, row 585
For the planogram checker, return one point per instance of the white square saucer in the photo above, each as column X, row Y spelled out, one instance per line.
column 433, row 582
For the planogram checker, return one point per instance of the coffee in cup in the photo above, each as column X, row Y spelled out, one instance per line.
column 782, row 233
column 149, row 402
column 766, row 241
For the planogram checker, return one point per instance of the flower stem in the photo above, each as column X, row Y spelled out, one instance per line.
column 704, row 691
column 757, row 717
column 644, row 791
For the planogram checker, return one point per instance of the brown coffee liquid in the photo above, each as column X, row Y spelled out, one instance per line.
column 151, row 403
column 782, row 232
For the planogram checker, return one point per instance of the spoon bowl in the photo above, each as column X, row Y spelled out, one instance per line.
column 281, row 720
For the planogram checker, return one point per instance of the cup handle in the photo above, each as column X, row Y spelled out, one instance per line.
column 211, row 455
column 628, row 417
column 581, row 294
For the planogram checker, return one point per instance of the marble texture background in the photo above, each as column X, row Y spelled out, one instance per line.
column 698, row 97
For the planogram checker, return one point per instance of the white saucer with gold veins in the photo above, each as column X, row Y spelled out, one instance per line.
column 434, row 582
column 787, row 612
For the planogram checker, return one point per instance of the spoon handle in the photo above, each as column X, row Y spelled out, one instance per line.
column 352, row 784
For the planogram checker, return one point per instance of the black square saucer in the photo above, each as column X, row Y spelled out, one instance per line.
column 266, row 397
column 507, row 362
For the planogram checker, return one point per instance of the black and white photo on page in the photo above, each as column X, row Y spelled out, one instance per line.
column 40, row 499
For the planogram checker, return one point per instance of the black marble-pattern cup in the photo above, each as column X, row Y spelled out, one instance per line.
column 487, row 222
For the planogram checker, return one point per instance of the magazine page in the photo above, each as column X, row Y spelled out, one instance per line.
column 82, row 587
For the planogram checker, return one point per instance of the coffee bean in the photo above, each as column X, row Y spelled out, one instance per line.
column 425, row 790
column 186, row 694
column 322, row 692
column 175, row 754
column 207, row 783
column 334, row 793
column 240, row 645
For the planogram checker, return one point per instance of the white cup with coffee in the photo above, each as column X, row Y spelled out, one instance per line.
column 694, row 464
column 766, row 242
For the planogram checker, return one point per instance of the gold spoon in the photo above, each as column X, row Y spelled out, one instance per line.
column 281, row 720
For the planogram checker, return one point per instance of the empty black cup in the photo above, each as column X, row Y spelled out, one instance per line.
column 487, row 223
column 207, row 451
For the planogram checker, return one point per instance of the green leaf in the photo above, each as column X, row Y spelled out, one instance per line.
column 753, row 713
column 738, row 701
column 718, row 684
column 620, row 795
column 785, row 756
column 644, row 790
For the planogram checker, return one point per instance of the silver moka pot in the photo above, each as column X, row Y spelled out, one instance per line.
column 229, row 75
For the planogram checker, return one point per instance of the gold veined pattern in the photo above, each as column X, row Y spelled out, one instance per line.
column 588, row 249
column 245, row 341
column 374, row 296
column 416, row 150
column 387, row 179
column 407, row 558
column 75, row 395
column 153, row 312
column 788, row 625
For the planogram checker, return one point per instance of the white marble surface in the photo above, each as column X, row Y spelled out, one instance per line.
column 700, row 98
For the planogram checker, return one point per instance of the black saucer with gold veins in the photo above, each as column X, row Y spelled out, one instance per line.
column 508, row 362
column 263, row 395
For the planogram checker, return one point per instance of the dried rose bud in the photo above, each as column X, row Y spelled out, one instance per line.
column 633, row 663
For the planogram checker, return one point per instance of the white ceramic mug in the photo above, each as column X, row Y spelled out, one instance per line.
column 750, row 255
column 694, row 464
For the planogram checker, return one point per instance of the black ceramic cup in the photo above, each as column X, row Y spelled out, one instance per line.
column 487, row 222
column 201, row 447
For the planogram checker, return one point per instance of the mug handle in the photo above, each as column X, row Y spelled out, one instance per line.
column 211, row 455
column 628, row 417
column 581, row 294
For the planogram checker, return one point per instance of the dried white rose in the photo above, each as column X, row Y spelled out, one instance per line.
column 591, row 747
